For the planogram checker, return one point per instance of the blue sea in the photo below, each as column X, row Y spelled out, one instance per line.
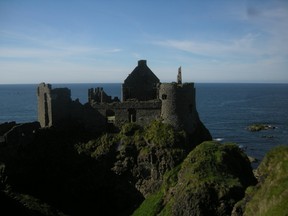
column 225, row 109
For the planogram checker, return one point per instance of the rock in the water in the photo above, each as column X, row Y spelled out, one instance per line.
column 259, row 127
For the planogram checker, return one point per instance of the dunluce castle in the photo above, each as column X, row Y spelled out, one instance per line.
column 143, row 99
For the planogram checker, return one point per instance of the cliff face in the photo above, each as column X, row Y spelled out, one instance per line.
column 109, row 174
column 270, row 195
column 142, row 156
column 211, row 179
column 149, row 171
column 77, row 173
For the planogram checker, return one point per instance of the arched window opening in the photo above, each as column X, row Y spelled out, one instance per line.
column 164, row 96
column 132, row 115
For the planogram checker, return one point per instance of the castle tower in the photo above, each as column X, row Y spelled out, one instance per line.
column 53, row 104
column 179, row 105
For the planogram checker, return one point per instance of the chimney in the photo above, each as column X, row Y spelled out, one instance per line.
column 142, row 63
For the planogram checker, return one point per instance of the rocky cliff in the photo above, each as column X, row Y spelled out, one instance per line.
column 79, row 172
column 211, row 179
column 270, row 195
column 154, row 170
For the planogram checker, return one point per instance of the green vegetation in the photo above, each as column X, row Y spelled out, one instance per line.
column 151, row 206
column 129, row 129
column 80, row 176
column 208, row 182
column 209, row 163
column 159, row 133
column 154, row 203
column 270, row 197
column 98, row 148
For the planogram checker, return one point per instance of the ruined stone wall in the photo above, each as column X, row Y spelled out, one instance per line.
column 99, row 95
column 140, row 112
column 56, row 108
column 53, row 104
column 178, row 105
column 60, row 104
column 44, row 105
column 186, row 106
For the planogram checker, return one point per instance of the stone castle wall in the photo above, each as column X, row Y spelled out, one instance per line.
column 53, row 104
column 44, row 105
column 144, row 99
column 56, row 108
column 119, row 113
column 178, row 105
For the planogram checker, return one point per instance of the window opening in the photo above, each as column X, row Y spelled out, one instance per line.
column 164, row 96
column 132, row 115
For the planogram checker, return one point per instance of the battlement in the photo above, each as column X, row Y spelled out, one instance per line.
column 98, row 95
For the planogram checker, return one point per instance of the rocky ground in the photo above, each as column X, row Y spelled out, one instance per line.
column 138, row 171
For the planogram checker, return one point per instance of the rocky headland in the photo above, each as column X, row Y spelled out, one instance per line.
column 151, row 170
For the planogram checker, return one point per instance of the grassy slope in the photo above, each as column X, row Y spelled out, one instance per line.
column 270, row 197
column 208, row 168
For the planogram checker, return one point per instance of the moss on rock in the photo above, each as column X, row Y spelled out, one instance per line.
column 210, row 181
column 270, row 196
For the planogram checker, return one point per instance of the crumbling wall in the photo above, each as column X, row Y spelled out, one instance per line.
column 44, row 105
column 140, row 112
column 53, row 104
column 61, row 103
column 56, row 108
column 99, row 95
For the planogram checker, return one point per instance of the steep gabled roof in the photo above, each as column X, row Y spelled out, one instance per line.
column 141, row 73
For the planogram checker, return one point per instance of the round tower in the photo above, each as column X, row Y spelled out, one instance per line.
column 178, row 105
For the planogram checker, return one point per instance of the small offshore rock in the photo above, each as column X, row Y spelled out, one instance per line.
column 259, row 127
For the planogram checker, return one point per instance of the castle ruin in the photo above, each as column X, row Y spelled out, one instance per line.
column 143, row 99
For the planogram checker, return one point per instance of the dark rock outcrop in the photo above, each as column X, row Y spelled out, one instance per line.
column 81, row 173
column 212, row 178
column 146, row 156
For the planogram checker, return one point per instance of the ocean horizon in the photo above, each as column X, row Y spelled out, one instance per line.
column 226, row 109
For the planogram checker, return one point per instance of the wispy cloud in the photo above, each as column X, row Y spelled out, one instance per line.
column 265, row 35
column 39, row 47
column 37, row 53
column 241, row 46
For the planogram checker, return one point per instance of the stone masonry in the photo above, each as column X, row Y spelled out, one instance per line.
column 144, row 98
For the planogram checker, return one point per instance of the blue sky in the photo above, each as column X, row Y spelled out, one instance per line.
column 60, row 41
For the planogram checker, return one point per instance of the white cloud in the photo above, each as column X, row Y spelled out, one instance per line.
column 41, row 47
column 241, row 46
column 40, row 53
